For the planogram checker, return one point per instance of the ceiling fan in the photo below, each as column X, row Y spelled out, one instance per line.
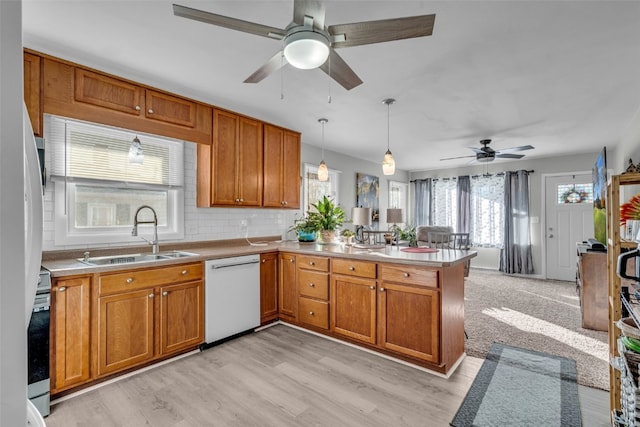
column 487, row 154
column 307, row 42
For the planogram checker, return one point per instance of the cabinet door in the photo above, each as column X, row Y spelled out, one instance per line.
column 32, row 88
column 249, row 162
column 272, row 189
column 224, row 158
column 408, row 320
column 287, row 294
column 181, row 316
column 71, row 331
column 291, row 170
column 170, row 109
column 268, row 287
column 125, row 327
column 353, row 307
column 107, row 92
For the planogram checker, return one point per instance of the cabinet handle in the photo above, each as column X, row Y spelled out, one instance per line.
column 130, row 280
column 150, row 111
column 382, row 289
column 406, row 274
column 137, row 107
column 312, row 263
column 264, row 260
column 372, row 287
column 151, row 295
column 165, row 293
column 311, row 285
column 311, row 313
column 184, row 272
column 241, row 200
column 292, row 260
column 62, row 288
column 352, row 268
column 284, row 202
column 237, row 200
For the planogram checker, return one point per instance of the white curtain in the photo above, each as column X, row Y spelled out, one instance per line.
column 445, row 202
column 487, row 210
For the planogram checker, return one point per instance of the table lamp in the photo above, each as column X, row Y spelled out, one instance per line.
column 360, row 217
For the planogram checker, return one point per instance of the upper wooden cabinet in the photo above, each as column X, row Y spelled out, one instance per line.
column 32, row 88
column 230, row 172
column 281, row 168
column 76, row 92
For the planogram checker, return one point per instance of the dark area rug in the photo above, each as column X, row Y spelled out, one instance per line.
column 542, row 315
column 520, row 387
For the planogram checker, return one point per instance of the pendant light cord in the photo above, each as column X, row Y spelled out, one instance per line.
column 323, row 121
column 388, row 124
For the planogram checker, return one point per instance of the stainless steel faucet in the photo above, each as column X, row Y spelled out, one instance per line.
column 154, row 243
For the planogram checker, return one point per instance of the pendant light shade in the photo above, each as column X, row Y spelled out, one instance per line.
column 136, row 153
column 323, row 171
column 388, row 162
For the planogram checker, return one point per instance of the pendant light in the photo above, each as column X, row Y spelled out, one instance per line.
column 136, row 153
column 388, row 163
column 323, row 171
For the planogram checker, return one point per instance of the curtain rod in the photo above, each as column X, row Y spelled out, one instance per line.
column 471, row 176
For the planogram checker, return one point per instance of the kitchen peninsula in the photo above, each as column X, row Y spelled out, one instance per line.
column 406, row 305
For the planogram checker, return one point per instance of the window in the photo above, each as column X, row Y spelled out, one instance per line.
column 574, row 193
column 445, row 202
column 398, row 198
column 314, row 189
column 97, row 190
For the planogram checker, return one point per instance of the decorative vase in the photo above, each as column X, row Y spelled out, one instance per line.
column 327, row 236
column 307, row 236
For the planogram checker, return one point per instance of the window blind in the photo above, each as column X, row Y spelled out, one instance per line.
column 87, row 151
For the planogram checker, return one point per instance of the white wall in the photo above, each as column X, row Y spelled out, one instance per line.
column 554, row 165
column 13, row 336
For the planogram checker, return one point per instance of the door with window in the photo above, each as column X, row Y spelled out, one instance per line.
column 568, row 220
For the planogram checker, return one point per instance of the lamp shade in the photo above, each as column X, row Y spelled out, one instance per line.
column 388, row 164
column 394, row 215
column 361, row 216
column 306, row 49
column 323, row 172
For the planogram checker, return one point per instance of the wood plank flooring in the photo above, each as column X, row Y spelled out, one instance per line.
column 281, row 376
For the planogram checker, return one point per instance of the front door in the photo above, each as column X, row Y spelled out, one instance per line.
column 568, row 220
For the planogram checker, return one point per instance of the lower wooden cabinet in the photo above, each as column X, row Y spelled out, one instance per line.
column 70, row 329
column 287, row 293
column 353, row 307
column 268, row 287
column 181, row 316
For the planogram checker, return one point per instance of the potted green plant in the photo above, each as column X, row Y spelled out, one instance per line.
column 349, row 236
column 307, row 228
column 408, row 234
column 329, row 217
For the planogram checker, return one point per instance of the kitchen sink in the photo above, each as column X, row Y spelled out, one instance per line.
column 133, row 258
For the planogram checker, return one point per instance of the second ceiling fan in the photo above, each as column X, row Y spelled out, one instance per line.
column 308, row 42
column 488, row 154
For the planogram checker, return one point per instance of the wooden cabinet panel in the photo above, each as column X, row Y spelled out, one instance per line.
column 313, row 284
column 32, row 89
column 287, row 293
column 137, row 279
column 409, row 274
column 408, row 320
column 107, row 92
column 353, row 307
column 316, row 263
column 125, row 328
column 353, row 268
column 169, row 108
column 181, row 316
column 268, row 287
column 71, row 332
column 592, row 283
column 313, row 312
column 281, row 168
column 250, row 162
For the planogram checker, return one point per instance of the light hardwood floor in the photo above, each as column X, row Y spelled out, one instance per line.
column 281, row 376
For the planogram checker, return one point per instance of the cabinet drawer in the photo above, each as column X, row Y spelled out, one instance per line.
column 313, row 263
column 138, row 279
column 350, row 267
column 409, row 274
column 313, row 284
column 313, row 312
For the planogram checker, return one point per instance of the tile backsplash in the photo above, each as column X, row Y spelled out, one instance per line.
column 200, row 224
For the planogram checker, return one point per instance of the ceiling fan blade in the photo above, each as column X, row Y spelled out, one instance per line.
column 459, row 157
column 313, row 8
column 509, row 156
column 275, row 63
column 227, row 22
column 340, row 71
column 512, row 149
column 477, row 150
column 361, row 33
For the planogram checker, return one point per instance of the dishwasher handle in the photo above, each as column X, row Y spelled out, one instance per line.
column 218, row 266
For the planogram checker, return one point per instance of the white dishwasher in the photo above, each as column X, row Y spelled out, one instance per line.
column 232, row 297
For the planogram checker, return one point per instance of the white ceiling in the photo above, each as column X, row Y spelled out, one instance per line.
column 563, row 76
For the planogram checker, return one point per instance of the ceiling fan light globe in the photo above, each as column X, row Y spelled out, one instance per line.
column 306, row 49
column 323, row 172
column 388, row 164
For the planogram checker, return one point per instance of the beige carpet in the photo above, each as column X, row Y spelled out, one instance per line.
column 541, row 315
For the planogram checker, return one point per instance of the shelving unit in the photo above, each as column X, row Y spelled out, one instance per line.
column 615, row 245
